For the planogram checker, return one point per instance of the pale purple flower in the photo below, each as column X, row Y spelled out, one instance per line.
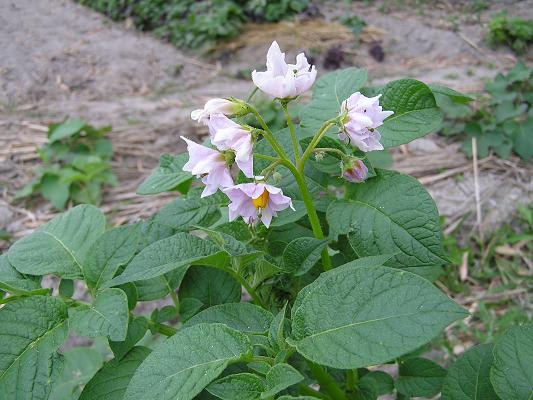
column 210, row 165
column 282, row 80
column 214, row 106
column 256, row 201
column 228, row 135
column 355, row 171
column 364, row 116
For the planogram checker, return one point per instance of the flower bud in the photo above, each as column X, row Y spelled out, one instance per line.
column 229, row 107
column 354, row 170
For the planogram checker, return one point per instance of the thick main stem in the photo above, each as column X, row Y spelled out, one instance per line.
column 327, row 383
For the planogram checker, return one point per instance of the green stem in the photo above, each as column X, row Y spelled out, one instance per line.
column 264, row 359
column 327, row 383
column 252, row 94
column 306, row 390
column 173, row 295
column 253, row 294
column 314, row 142
column 352, row 378
column 329, row 150
column 163, row 329
column 291, row 130
column 265, row 172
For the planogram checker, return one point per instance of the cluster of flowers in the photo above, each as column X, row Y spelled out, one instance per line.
column 233, row 143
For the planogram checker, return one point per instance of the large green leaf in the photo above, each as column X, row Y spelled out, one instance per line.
column 359, row 316
column 66, row 129
column 468, row 378
column 137, row 328
column 512, row 373
column 186, row 212
column 280, row 377
column 391, row 214
column 112, row 250
column 420, row 377
column 31, row 330
column 209, row 287
column 302, row 254
column 328, row 94
column 107, row 316
column 243, row 386
column 181, row 366
column 168, row 176
column 59, row 247
column 81, row 363
column 244, row 317
column 415, row 112
column 165, row 255
column 13, row 281
column 111, row 381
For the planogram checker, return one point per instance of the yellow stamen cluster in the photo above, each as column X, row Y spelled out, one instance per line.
column 261, row 201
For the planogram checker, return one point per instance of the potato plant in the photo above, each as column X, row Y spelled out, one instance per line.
column 295, row 267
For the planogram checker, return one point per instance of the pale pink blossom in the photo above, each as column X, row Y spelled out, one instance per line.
column 256, row 201
column 363, row 116
column 228, row 135
column 355, row 171
column 282, row 80
column 210, row 165
column 214, row 106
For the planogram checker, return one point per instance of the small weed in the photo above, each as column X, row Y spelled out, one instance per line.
column 517, row 33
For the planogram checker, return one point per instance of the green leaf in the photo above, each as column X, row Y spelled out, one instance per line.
column 111, row 381
column 66, row 288
column 357, row 316
column 276, row 332
column 287, row 397
column 329, row 92
column 110, row 251
column 81, row 363
column 511, row 373
column 244, row 317
column 240, row 253
column 392, row 213
column 169, row 176
column 468, row 378
column 186, row 212
column 456, row 96
column 181, row 366
column 107, row 316
column 415, row 112
column 67, row 129
column 420, row 377
column 523, row 140
column 243, row 386
column 137, row 328
column 13, row 281
column 210, row 286
column 59, row 246
column 165, row 255
column 302, row 254
column 55, row 190
column 381, row 381
column 31, row 330
column 280, row 377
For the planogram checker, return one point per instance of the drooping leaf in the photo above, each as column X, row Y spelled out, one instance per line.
column 280, row 377
column 106, row 316
column 329, row 92
column 68, row 128
column 137, row 328
column 415, row 112
column 81, row 363
column 31, row 330
column 359, row 316
column 511, row 373
column 468, row 378
column 243, row 386
column 13, row 281
column 392, row 213
column 181, row 366
column 167, row 177
column 243, row 317
column 111, row 381
column 420, row 377
column 110, row 251
column 186, row 212
column 165, row 255
column 59, row 247
column 456, row 96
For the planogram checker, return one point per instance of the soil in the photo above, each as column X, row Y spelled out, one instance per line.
column 58, row 59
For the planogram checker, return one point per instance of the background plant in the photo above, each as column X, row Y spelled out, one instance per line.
column 515, row 32
column 502, row 119
column 341, row 283
column 76, row 165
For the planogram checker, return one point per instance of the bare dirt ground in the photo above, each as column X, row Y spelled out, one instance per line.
column 60, row 59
